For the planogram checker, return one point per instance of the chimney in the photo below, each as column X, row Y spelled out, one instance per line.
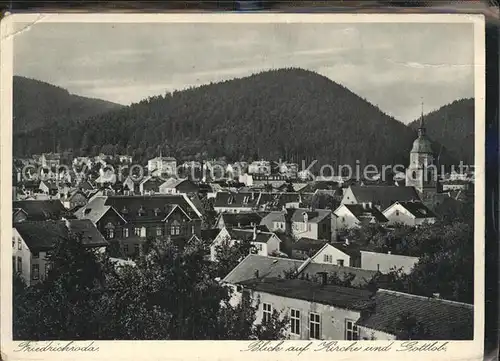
column 256, row 273
column 388, row 252
column 66, row 223
column 364, row 205
column 370, row 205
column 436, row 295
column 346, row 241
column 254, row 233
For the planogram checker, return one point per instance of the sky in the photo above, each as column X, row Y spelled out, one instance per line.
column 395, row 66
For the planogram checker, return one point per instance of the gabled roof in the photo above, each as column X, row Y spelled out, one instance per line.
column 443, row 319
column 172, row 183
column 418, row 209
column 351, row 249
column 313, row 216
column 384, row 195
column 248, row 234
column 94, row 210
column 41, row 235
column 274, row 216
column 308, row 245
column 266, row 266
column 39, row 210
column 152, row 208
column 230, row 199
column 240, row 219
column 343, row 297
column 365, row 212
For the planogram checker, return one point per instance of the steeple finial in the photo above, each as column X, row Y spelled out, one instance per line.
column 422, row 113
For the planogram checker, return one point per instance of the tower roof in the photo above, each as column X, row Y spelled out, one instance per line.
column 422, row 144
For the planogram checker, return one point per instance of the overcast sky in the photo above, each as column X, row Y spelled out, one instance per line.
column 390, row 65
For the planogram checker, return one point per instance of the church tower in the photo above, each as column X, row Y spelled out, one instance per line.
column 421, row 173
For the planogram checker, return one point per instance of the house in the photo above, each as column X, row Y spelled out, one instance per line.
column 339, row 253
column 266, row 243
column 238, row 220
column 42, row 210
column 279, row 201
column 409, row 213
column 74, row 199
column 380, row 196
column 124, row 159
column 311, row 223
column 278, row 221
column 348, row 216
column 306, row 248
column 440, row 319
column 150, row 185
column 106, row 176
column 268, row 266
column 175, row 186
column 385, row 262
column 49, row 187
column 289, row 170
column 317, row 311
column 162, row 165
column 130, row 220
column 50, row 160
column 273, row 181
column 131, row 186
column 32, row 240
column 260, row 167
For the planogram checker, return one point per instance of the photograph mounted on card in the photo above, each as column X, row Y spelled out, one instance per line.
column 294, row 184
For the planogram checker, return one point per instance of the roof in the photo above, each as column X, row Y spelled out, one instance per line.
column 351, row 249
column 209, row 234
column 274, row 216
column 384, row 195
column 418, row 209
column 343, row 297
column 229, row 199
column 39, row 210
column 244, row 234
column 93, row 210
column 240, row 219
column 443, row 319
column 152, row 208
column 164, row 159
column 172, row 183
column 315, row 216
column 362, row 276
column 308, row 245
column 363, row 212
column 422, row 145
column 267, row 267
column 41, row 235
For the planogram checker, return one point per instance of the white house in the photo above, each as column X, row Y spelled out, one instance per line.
column 162, row 165
column 339, row 253
column 266, row 243
column 348, row 216
column 409, row 213
column 385, row 262
column 260, row 167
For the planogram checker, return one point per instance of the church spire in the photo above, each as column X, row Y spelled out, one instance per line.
column 421, row 128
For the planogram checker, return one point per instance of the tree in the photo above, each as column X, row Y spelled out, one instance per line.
column 209, row 215
column 230, row 254
column 407, row 327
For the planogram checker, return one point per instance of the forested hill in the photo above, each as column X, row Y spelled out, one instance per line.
column 38, row 104
column 452, row 126
column 290, row 114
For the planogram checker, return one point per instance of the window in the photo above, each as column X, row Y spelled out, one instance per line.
column 397, row 213
column 192, row 229
column 137, row 249
column 267, row 312
column 340, row 262
column 13, row 264
column 137, row 231
column 35, row 271
column 309, row 227
column 47, row 269
column 158, row 231
column 111, row 233
column 36, row 254
column 19, row 244
column 125, row 248
column 314, row 326
column 351, row 330
column 175, row 230
column 328, row 258
column 143, row 232
column 295, row 322
column 378, row 267
column 258, row 246
column 13, row 242
column 125, row 232
column 19, row 265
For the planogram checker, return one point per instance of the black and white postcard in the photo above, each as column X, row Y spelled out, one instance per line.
column 303, row 185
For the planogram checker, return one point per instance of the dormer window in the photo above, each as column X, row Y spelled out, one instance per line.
column 141, row 211
column 124, row 210
column 230, row 200
column 245, row 199
column 157, row 212
column 306, row 217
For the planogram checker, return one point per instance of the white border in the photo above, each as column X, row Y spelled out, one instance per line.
column 227, row 350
